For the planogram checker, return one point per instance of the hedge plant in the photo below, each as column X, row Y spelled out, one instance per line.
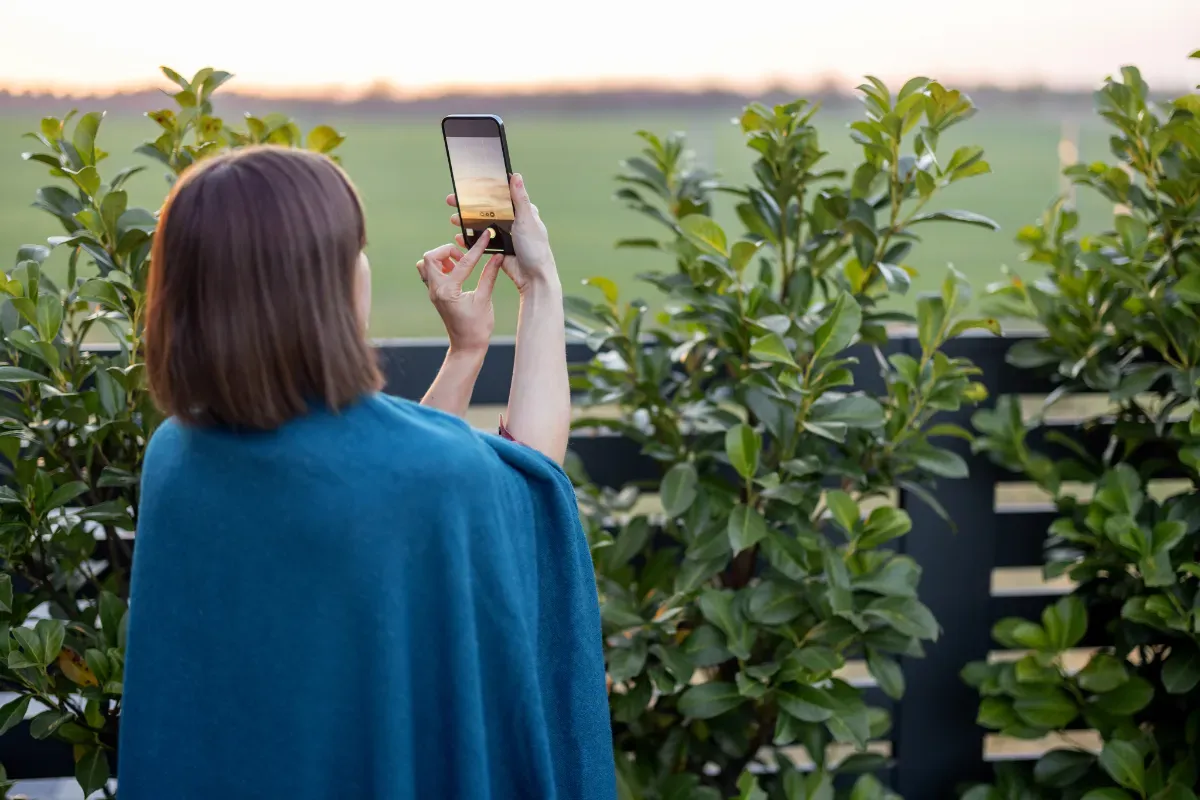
column 75, row 417
column 730, row 613
column 1121, row 310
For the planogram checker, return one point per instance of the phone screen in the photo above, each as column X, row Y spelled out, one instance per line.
column 479, row 171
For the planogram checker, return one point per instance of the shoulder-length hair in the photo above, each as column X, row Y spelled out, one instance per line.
column 251, row 317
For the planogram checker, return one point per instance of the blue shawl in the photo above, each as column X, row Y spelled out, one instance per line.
column 380, row 603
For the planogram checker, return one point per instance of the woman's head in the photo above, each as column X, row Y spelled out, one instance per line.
column 257, row 293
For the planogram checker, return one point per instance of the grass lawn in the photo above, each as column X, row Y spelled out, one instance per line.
column 569, row 163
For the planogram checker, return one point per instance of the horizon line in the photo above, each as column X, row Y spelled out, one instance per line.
column 384, row 89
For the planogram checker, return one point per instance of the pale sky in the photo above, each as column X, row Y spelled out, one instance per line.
column 420, row 45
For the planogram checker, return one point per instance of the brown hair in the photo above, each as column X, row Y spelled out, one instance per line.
column 251, row 316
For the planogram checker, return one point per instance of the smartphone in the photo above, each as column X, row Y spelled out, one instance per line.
column 479, row 172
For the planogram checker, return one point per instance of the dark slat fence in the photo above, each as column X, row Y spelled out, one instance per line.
column 935, row 742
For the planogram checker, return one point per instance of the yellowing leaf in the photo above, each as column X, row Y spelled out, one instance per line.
column 323, row 139
column 605, row 285
column 75, row 668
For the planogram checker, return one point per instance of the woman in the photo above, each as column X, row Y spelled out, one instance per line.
column 338, row 594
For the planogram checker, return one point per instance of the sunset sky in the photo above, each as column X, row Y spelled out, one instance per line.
column 426, row 46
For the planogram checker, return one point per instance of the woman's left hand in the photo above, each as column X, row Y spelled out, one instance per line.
column 468, row 315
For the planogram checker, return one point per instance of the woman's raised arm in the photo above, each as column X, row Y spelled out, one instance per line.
column 469, row 320
column 539, row 401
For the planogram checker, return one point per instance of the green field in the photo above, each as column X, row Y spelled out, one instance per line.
column 569, row 163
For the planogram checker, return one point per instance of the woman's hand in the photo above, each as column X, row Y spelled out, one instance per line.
column 533, row 267
column 468, row 315
column 539, row 398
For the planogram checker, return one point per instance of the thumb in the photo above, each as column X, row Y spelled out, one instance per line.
column 522, row 207
column 487, row 278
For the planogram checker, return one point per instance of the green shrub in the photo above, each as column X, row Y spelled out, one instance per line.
column 1121, row 311
column 729, row 615
column 75, row 419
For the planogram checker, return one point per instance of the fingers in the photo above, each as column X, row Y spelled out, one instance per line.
column 520, row 197
column 452, row 201
column 440, row 254
column 442, row 265
column 438, row 263
column 462, row 270
column 487, row 278
column 456, row 220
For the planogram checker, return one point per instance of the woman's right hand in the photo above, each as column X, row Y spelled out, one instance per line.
column 467, row 315
column 533, row 267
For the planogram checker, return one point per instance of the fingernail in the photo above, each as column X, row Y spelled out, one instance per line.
column 520, row 180
column 491, row 233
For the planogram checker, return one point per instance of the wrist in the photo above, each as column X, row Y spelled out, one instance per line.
column 471, row 354
column 542, row 286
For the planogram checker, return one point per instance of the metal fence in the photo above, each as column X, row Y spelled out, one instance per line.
column 934, row 742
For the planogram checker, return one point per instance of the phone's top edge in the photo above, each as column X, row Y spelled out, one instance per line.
column 493, row 117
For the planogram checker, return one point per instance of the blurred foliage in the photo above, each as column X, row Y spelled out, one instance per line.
column 75, row 418
column 729, row 615
column 1121, row 310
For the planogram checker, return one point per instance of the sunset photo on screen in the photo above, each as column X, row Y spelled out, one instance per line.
column 480, row 181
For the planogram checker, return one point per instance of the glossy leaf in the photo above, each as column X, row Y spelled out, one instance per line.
column 9, row 374
column 86, row 179
column 943, row 463
column 806, row 703
column 705, row 234
column 84, row 138
column 1124, row 764
column 1063, row 768
column 773, row 603
column 967, row 217
column 845, row 511
column 771, row 348
column 679, row 489
column 709, row 700
column 743, row 446
column 13, row 713
column 839, row 329
column 630, row 541
column 1181, row 672
column 747, row 527
column 741, row 255
column 853, row 411
column 92, row 770
column 887, row 673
